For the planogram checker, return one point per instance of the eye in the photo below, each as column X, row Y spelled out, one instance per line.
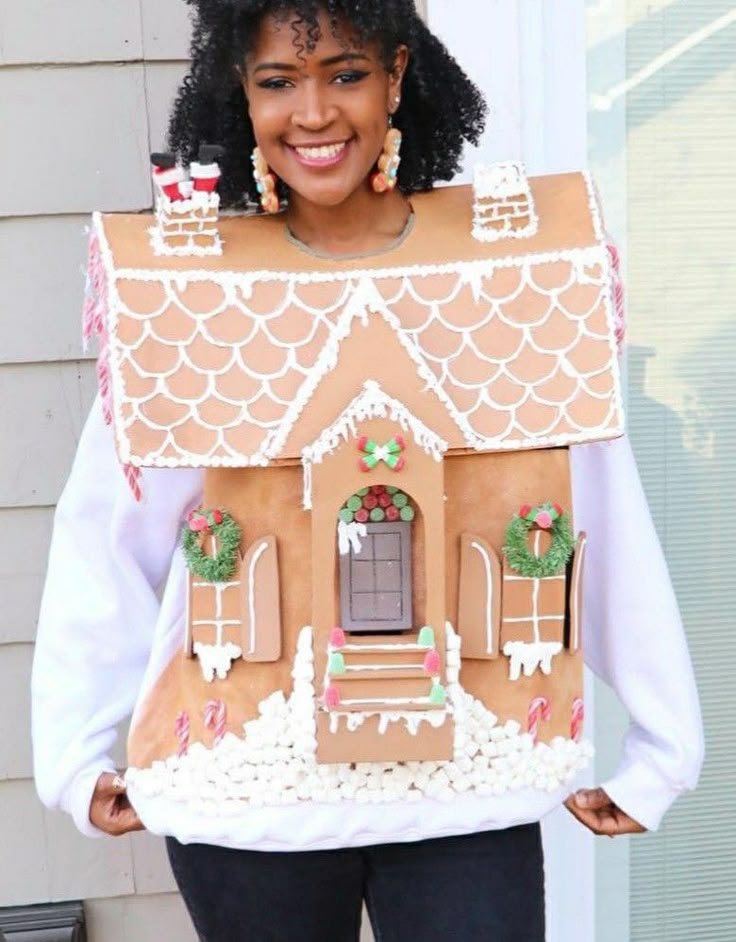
column 350, row 77
column 275, row 84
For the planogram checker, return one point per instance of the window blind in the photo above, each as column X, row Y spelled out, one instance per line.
column 680, row 113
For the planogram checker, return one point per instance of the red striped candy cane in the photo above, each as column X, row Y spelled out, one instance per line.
column 182, row 732
column 539, row 709
column 577, row 720
column 618, row 297
column 215, row 717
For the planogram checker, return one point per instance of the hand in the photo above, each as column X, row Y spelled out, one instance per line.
column 110, row 810
column 593, row 808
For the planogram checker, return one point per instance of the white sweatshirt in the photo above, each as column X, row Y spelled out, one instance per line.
column 104, row 637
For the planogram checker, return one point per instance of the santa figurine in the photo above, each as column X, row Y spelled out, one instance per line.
column 205, row 171
column 168, row 176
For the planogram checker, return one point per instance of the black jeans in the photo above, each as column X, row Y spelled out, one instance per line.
column 487, row 886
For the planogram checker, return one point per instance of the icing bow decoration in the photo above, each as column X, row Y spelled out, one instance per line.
column 390, row 453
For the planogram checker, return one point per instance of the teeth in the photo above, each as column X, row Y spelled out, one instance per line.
column 317, row 153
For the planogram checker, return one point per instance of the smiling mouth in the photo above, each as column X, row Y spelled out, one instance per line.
column 323, row 155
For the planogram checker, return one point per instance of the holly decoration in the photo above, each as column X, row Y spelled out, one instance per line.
column 554, row 520
column 220, row 525
column 390, row 453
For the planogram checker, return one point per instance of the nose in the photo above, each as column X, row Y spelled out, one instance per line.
column 314, row 110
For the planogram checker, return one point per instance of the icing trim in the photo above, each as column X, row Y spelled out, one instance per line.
column 252, row 593
column 489, row 594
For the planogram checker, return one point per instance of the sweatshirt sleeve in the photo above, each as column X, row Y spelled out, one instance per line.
column 633, row 634
column 109, row 555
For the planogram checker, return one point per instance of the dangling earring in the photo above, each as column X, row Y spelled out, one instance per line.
column 387, row 175
column 265, row 183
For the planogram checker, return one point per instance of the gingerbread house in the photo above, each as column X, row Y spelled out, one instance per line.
column 386, row 541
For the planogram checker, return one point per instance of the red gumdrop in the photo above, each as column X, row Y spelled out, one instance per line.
column 392, row 513
column 559, row 509
column 378, row 488
column 370, row 501
column 432, row 662
column 217, row 517
column 332, row 697
column 524, row 510
column 337, row 637
column 362, row 515
column 385, row 500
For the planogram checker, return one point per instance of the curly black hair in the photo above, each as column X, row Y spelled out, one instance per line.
column 440, row 107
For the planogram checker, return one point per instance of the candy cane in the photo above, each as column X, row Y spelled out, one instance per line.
column 578, row 718
column 182, row 732
column 215, row 717
column 539, row 709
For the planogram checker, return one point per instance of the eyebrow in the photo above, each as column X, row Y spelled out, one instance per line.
column 325, row 63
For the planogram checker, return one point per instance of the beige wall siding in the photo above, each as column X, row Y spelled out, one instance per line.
column 85, row 89
column 42, row 301
column 86, row 97
column 27, row 530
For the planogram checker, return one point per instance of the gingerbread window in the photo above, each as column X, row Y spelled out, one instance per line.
column 375, row 581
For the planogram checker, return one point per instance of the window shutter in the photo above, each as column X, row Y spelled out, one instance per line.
column 261, row 608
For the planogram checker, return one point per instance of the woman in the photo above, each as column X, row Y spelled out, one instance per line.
column 316, row 86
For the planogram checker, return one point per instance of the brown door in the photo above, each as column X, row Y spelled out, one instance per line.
column 375, row 583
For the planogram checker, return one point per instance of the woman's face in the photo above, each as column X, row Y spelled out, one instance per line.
column 320, row 119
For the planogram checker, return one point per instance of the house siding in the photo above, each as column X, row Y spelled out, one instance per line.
column 111, row 68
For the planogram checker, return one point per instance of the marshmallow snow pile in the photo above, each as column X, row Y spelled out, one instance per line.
column 275, row 764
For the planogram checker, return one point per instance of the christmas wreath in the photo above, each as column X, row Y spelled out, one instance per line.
column 549, row 517
column 219, row 524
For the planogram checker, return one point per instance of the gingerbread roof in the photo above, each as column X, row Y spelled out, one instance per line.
column 510, row 345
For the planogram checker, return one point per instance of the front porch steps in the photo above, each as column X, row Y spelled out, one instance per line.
column 384, row 699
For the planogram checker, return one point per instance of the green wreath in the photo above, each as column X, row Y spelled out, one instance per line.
column 548, row 517
column 221, row 566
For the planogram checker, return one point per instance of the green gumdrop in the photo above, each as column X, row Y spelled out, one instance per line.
column 355, row 503
column 407, row 514
column 337, row 663
column 378, row 515
column 363, row 491
column 347, row 516
column 437, row 695
column 390, row 489
column 426, row 637
column 400, row 499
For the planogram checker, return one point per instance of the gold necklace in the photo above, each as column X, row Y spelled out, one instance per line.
column 318, row 253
